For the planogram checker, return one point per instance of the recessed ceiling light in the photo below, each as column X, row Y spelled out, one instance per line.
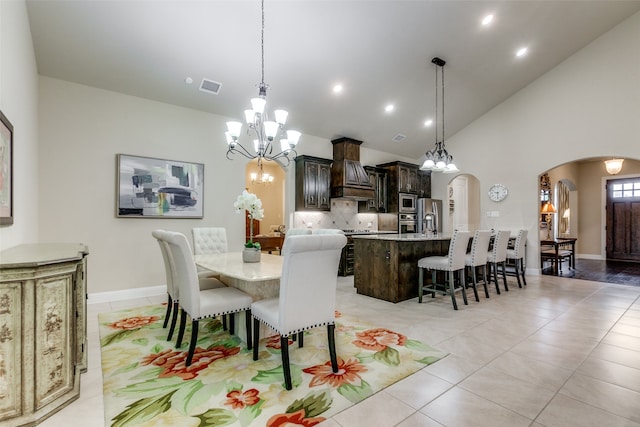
column 487, row 20
column 188, row 80
column 521, row 52
column 337, row 88
column 428, row 122
column 389, row 108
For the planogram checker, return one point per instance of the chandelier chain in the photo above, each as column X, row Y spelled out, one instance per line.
column 262, row 42
column 442, row 90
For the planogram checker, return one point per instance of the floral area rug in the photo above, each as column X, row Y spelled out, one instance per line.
column 147, row 383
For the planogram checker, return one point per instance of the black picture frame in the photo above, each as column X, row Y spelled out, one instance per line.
column 6, row 171
column 149, row 187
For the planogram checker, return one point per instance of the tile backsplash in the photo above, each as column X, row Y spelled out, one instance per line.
column 344, row 215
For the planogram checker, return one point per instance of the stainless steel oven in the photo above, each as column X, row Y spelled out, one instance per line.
column 407, row 223
column 407, row 203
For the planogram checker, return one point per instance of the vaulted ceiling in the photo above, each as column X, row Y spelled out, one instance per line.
column 380, row 51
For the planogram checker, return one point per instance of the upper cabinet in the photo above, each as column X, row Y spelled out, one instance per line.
column 313, row 183
column 403, row 177
column 378, row 179
column 424, row 184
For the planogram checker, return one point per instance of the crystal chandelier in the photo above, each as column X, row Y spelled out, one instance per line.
column 439, row 159
column 266, row 131
column 261, row 177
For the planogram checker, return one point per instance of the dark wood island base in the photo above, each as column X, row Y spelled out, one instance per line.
column 386, row 266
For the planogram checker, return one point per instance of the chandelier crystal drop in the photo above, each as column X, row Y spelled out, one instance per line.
column 266, row 132
column 439, row 159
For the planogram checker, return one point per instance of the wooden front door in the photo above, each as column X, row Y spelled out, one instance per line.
column 623, row 219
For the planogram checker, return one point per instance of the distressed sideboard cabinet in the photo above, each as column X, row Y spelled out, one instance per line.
column 43, row 329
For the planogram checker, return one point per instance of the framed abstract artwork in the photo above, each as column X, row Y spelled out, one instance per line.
column 158, row 188
column 6, row 171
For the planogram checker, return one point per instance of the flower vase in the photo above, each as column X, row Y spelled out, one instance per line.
column 251, row 255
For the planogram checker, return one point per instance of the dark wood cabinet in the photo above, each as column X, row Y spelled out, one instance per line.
column 345, row 268
column 313, row 181
column 401, row 178
column 378, row 179
column 424, row 183
column 387, row 268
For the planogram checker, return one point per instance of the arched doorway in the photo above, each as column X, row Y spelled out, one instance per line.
column 270, row 191
column 586, row 219
column 463, row 203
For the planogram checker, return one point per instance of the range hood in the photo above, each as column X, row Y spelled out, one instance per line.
column 349, row 180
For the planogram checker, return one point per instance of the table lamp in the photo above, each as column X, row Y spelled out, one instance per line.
column 548, row 209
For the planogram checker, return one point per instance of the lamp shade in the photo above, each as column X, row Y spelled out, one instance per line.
column 614, row 166
column 548, row 208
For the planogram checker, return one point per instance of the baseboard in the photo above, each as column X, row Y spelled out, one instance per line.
column 590, row 256
column 101, row 297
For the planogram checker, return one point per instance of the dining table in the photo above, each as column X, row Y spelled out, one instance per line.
column 260, row 280
column 559, row 244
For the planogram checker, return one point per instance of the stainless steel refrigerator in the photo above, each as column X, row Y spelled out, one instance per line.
column 429, row 216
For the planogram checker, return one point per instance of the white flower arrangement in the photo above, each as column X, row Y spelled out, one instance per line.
column 253, row 205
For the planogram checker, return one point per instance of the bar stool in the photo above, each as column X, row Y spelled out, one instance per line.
column 516, row 255
column 452, row 263
column 478, row 258
column 498, row 256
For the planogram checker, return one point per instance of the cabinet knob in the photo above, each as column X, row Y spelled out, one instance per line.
column 387, row 255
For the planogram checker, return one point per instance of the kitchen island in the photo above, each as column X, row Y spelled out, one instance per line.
column 386, row 265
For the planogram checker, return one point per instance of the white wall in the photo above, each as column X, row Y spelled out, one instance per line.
column 19, row 103
column 82, row 130
column 588, row 106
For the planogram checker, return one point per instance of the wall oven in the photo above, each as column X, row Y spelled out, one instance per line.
column 407, row 223
column 407, row 203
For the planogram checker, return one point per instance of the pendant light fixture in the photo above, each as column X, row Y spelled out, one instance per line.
column 266, row 132
column 439, row 159
column 613, row 166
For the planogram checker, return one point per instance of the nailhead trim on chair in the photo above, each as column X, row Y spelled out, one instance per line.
column 295, row 331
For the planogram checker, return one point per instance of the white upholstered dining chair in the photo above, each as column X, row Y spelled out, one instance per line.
column 307, row 295
column 173, row 293
column 209, row 240
column 451, row 264
column 204, row 304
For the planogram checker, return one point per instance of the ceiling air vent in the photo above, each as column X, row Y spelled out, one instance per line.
column 210, row 86
column 399, row 138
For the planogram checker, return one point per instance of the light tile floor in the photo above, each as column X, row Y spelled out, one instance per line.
column 560, row 352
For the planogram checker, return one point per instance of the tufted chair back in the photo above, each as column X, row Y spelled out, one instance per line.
column 209, row 240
